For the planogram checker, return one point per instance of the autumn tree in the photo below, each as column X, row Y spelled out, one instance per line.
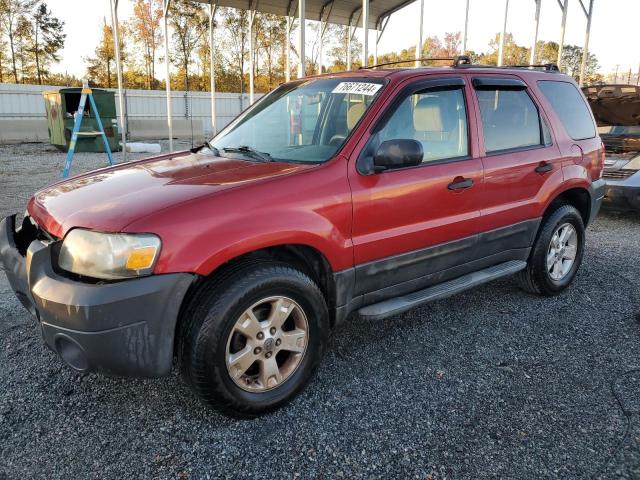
column 189, row 23
column 147, row 34
column 48, row 39
column 236, row 42
column 338, row 52
column 13, row 18
column 270, row 36
column 100, row 69
column 513, row 54
column 572, row 63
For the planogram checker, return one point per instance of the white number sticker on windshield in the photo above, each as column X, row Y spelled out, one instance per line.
column 357, row 87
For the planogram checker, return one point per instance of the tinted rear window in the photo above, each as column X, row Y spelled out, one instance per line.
column 510, row 120
column 569, row 105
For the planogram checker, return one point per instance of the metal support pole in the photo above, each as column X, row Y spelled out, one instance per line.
column 212, row 66
column 365, row 29
column 349, row 45
column 287, row 62
column 564, row 7
column 165, row 15
column 419, row 42
column 116, row 44
column 301, row 40
column 466, row 27
column 252, row 16
column 375, row 48
column 503, row 34
column 532, row 61
column 638, row 79
column 585, row 50
column 320, row 47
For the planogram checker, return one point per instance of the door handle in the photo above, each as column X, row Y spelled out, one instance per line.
column 460, row 183
column 544, row 167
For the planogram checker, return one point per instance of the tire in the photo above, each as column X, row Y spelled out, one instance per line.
column 209, row 337
column 537, row 277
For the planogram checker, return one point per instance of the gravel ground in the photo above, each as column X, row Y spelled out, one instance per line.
column 489, row 383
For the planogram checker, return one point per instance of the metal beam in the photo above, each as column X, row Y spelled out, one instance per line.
column 287, row 42
column 116, row 44
column 585, row 50
column 324, row 23
column 365, row 28
column 503, row 34
column 532, row 61
column 301, row 45
column 349, row 46
column 466, row 28
column 419, row 42
column 166, row 4
column 252, row 41
column 564, row 7
column 212, row 66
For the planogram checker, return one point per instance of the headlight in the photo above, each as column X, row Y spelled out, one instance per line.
column 108, row 255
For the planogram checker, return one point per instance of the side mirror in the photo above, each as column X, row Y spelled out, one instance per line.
column 397, row 154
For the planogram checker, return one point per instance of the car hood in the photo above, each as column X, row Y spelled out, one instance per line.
column 110, row 198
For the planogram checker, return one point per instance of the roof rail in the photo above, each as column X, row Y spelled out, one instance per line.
column 547, row 67
column 456, row 61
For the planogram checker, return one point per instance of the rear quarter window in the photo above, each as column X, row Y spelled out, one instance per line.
column 570, row 107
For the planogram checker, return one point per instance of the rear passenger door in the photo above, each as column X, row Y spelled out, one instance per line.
column 519, row 157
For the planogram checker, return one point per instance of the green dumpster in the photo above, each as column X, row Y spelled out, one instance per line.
column 61, row 107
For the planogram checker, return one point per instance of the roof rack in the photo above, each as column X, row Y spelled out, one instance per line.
column 547, row 67
column 465, row 61
column 456, row 61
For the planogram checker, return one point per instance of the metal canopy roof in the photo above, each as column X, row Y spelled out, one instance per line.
column 341, row 12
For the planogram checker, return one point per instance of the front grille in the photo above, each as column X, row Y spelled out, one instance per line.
column 618, row 174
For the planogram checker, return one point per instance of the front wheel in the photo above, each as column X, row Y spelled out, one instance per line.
column 253, row 337
column 557, row 253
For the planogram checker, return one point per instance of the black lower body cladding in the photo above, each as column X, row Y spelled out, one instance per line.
column 121, row 328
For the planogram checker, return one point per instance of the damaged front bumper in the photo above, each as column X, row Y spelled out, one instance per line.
column 123, row 328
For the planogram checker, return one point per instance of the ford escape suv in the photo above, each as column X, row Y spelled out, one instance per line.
column 372, row 192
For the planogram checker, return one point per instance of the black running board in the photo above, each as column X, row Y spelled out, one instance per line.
column 397, row 305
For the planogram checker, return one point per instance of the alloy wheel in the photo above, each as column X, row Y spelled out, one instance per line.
column 267, row 344
column 562, row 251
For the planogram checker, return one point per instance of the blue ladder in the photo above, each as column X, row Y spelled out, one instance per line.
column 86, row 92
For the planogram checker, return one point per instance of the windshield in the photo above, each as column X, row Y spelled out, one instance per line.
column 305, row 121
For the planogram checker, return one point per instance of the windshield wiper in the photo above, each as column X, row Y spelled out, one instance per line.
column 264, row 156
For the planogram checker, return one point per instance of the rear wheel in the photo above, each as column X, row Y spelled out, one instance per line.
column 557, row 253
column 252, row 338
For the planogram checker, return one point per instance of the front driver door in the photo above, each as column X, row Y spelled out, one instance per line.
column 413, row 226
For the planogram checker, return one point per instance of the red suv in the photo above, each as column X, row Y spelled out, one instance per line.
column 372, row 192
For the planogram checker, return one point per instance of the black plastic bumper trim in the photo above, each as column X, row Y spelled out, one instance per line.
column 124, row 328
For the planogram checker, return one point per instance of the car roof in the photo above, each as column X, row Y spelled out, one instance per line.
column 399, row 73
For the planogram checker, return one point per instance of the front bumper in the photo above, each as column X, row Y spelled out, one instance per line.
column 623, row 194
column 121, row 328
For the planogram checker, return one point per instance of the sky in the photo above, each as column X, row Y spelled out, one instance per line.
column 614, row 30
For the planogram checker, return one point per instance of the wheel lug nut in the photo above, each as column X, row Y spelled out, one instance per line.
column 278, row 342
column 260, row 335
column 268, row 354
column 272, row 330
column 257, row 350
